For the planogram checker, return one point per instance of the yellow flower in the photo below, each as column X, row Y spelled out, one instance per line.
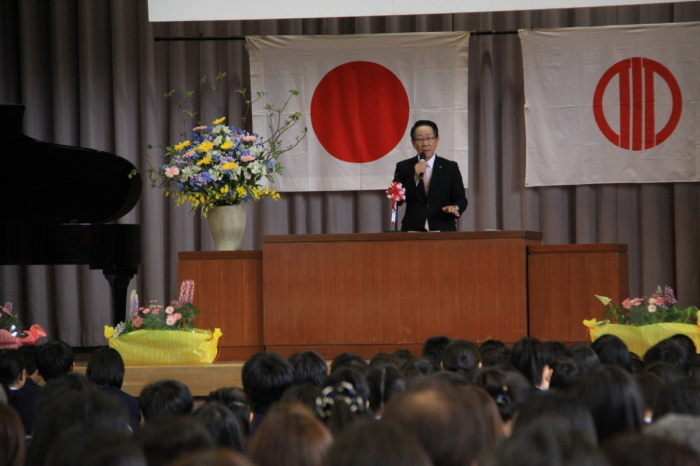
column 240, row 191
column 227, row 145
column 219, row 121
column 205, row 160
column 229, row 166
column 206, row 146
column 182, row 145
column 224, row 189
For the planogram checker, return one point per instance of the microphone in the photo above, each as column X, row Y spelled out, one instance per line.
column 422, row 159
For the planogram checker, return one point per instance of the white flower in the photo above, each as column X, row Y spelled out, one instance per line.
column 651, row 308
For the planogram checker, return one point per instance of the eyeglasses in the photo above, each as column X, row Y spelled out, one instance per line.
column 422, row 140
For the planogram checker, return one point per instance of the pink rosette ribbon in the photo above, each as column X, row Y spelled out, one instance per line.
column 396, row 193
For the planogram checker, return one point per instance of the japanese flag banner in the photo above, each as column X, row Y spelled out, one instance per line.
column 359, row 96
column 612, row 104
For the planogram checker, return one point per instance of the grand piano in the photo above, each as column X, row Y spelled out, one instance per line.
column 58, row 202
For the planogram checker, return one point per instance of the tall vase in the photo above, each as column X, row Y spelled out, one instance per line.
column 227, row 224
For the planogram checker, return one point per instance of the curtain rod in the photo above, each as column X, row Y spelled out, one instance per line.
column 204, row 38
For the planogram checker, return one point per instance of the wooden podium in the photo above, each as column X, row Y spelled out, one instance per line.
column 367, row 293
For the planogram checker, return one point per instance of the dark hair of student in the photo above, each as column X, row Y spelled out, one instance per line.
column 584, row 356
column 686, row 342
column 305, row 393
column 12, row 440
column 666, row 372
column 351, row 376
column 434, row 347
column 95, row 446
column 671, row 352
column 377, row 443
column 106, row 368
column 647, row 450
column 236, row 400
column 495, row 355
column 612, row 396
column 544, row 441
column 165, row 398
column 221, row 424
column 650, row 385
column 508, row 388
column 265, row 377
column 679, row 397
column 461, row 356
column 530, row 357
column 290, row 439
column 65, row 408
column 612, row 350
column 557, row 350
column 564, row 372
column 385, row 360
column 214, row 457
column 165, row 440
column 349, row 361
column 404, row 356
column 340, row 405
column 54, row 359
column 573, row 411
column 11, row 368
column 383, row 383
column 309, row 367
column 29, row 353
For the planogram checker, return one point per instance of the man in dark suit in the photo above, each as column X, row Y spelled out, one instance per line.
column 434, row 188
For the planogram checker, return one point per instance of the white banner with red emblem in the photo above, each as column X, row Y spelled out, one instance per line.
column 612, row 104
column 359, row 95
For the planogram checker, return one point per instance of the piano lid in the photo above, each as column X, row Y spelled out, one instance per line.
column 52, row 183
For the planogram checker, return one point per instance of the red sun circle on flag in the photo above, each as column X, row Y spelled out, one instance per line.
column 359, row 111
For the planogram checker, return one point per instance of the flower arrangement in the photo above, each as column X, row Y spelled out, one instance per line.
column 179, row 315
column 222, row 165
column 660, row 307
column 12, row 333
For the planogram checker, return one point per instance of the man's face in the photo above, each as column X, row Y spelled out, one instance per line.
column 424, row 140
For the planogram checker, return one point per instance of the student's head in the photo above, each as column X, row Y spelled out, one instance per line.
column 265, row 377
column 377, row 443
column 309, row 367
column 12, row 441
column 28, row 353
column 585, row 357
column 508, row 388
column 671, row 352
column 383, row 383
column 612, row 396
column 165, row 398
column 55, row 359
column 679, row 397
column 564, row 372
column 106, row 368
column 450, row 422
column 95, row 446
column 682, row 428
column 434, row 347
column 650, row 387
column 295, row 438
column 221, row 424
column 461, row 356
column 236, row 400
column 557, row 349
column 666, row 372
column 647, row 450
column 612, row 350
column 341, row 405
column 349, row 361
column 164, row 440
column 531, row 358
column 12, row 371
column 305, row 393
column 384, row 360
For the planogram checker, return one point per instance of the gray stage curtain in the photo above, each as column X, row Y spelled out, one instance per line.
column 92, row 75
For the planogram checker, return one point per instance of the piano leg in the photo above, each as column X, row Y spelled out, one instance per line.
column 119, row 283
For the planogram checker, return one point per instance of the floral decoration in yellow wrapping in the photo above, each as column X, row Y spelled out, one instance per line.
column 164, row 347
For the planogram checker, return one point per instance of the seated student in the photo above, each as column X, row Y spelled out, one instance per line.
column 165, row 398
column 564, row 372
column 647, row 450
column 12, row 372
column 679, row 397
column 305, row 393
column 309, row 367
column 671, row 352
column 349, row 361
column 385, row 360
column 12, row 439
column 265, row 377
column 341, row 405
column 461, row 356
column 434, row 348
column 106, row 369
column 377, row 443
column 612, row 350
column 650, row 386
column 95, row 446
column 236, row 400
column 383, row 383
column 532, row 359
column 508, row 388
column 682, row 428
column 290, row 437
column 584, row 356
column 55, row 359
column 221, row 424
column 24, row 399
column 494, row 353
column 166, row 439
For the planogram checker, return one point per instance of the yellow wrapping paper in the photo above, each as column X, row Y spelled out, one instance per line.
column 165, row 347
column 640, row 339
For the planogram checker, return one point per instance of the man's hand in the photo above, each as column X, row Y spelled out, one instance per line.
column 451, row 209
column 418, row 169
